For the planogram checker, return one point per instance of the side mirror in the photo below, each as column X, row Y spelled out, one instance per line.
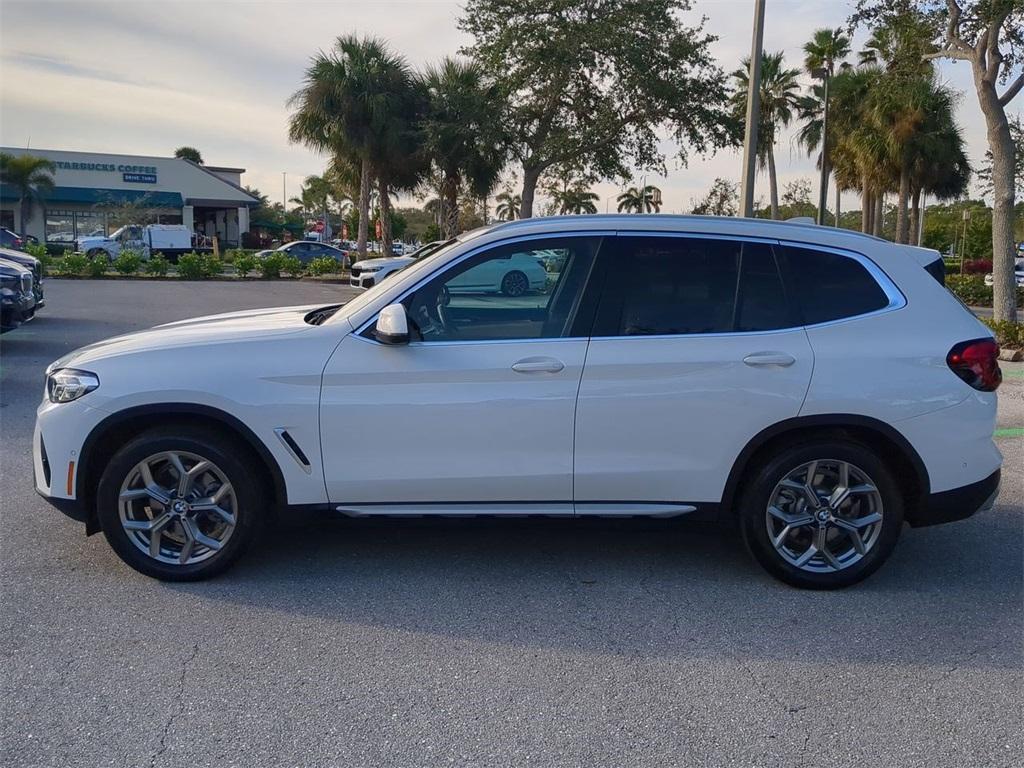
column 392, row 325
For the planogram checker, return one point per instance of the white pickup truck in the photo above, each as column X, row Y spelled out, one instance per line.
column 169, row 239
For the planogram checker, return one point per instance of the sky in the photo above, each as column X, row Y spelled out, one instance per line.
column 144, row 77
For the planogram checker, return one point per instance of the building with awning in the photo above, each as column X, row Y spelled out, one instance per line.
column 96, row 193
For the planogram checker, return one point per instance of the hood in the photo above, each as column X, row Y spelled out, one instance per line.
column 13, row 268
column 384, row 261
column 212, row 329
column 94, row 240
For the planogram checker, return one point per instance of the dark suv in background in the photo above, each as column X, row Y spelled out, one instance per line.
column 17, row 300
column 33, row 265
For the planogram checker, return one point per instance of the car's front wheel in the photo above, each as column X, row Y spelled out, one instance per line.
column 822, row 515
column 179, row 504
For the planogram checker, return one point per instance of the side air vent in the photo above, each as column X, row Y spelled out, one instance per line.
column 293, row 448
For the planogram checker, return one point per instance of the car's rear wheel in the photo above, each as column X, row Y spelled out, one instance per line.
column 822, row 515
column 98, row 253
column 179, row 504
column 515, row 284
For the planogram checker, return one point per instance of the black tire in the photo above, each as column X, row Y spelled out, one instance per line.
column 98, row 253
column 753, row 514
column 228, row 456
column 515, row 284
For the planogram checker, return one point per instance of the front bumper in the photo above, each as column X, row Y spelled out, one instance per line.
column 15, row 311
column 363, row 280
column 957, row 503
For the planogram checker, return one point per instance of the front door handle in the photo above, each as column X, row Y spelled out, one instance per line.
column 769, row 358
column 538, row 365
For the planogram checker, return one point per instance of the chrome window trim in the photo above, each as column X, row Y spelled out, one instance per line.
column 896, row 298
column 471, row 253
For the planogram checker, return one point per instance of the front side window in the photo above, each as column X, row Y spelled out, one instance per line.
column 526, row 290
column 829, row 286
column 688, row 285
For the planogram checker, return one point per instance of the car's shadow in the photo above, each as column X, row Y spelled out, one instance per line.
column 637, row 587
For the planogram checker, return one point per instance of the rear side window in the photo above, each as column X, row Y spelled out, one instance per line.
column 681, row 285
column 828, row 286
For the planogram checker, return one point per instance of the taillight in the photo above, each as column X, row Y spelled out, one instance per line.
column 977, row 363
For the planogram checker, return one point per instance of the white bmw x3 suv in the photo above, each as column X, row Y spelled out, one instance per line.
column 816, row 388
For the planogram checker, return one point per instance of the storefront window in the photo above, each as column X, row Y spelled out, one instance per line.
column 91, row 223
column 60, row 227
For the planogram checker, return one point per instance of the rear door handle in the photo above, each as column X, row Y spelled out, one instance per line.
column 538, row 365
column 769, row 358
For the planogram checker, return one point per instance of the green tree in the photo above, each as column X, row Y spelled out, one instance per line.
column 462, row 132
column 637, row 200
column 189, row 153
column 32, row 179
column 576, row 200
column 721, row 200
column 780, row 92
column 348, row 105
column 989, row 35
column 590, row 83
column 824, row 54
column 508, row 205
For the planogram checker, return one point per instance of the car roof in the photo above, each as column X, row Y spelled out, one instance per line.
column 661, row 222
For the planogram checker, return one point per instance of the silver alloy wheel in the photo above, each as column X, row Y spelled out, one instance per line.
column 514, row 284
column 177, row 507
column 824, row 516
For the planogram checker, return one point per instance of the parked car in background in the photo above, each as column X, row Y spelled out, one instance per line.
column 369, row 272
column 171, row 240
column 1018, row 274
column 17, row 299
column 32, row 264
column 307, row 250
column 9, row 239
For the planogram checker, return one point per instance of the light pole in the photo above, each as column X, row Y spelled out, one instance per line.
column 753, row 112
column 825, row 74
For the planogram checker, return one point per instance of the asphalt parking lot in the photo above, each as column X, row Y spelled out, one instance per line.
column 487, row 643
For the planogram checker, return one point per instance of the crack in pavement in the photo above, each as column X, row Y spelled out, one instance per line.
column 177, row 710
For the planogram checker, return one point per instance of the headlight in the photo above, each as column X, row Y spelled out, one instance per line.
column 67, row 384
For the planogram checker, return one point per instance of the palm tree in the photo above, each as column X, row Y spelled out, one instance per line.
column 189, row 153
column 508, row 206
column 636, row 200
column 461, row 133
column 32, row 179
column 779, row 98
column 825, row 51
column 348, row 105
column 577, row 200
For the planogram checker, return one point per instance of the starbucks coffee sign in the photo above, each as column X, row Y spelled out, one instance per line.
column 134, row 174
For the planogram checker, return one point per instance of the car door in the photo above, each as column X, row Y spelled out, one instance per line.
column 476, row 412
column 695, row 351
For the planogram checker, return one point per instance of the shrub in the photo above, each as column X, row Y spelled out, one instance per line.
column 970, row 289
column 1010, row 335
column 128, row 262
column 198, row 266
column 212, row 266
column 324, row 265
column 292, row 265
column 245, row 263
column 190, row 266
column 978, row 266
column 97, row 266
column 38, row 250
column 158, row 265
column 270, row 267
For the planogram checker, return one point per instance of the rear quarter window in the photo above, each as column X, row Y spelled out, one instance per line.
column 829, row 286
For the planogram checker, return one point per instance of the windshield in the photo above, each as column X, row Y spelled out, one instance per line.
column 370, row 294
